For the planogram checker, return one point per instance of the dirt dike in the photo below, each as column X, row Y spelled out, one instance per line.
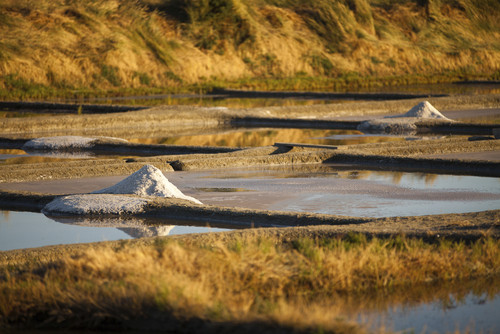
column 466, row 224
column 172, row 117
column 408, row 155
column 72, row 169
column 151, row 118
column 103, row 145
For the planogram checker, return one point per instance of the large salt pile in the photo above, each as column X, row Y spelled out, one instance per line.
column 403, row 124
column 147, row 181
column 67, row 142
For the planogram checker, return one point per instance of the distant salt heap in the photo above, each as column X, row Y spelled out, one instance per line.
column 422, row 110
column 147, row 182
column 403, row 124
column 67, row 143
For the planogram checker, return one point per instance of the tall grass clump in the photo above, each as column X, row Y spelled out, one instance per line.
column 242, row 282
column 211, row 24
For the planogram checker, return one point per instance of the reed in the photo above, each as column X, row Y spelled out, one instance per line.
column 243, row 281
column 91, row 47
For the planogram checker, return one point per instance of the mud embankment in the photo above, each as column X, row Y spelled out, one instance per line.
column 466, row 225
column 169, row 119
column 234, row 93
column 409, row 156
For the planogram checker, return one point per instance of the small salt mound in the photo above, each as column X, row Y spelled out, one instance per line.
column 57, row 143
column 67, row 142
column 147, row 181
column 95, row 204
column 403, row 124
column 423, row 110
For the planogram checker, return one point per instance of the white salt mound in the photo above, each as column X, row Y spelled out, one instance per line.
column 66, row 142
column 147, row 181
column 423, row 110
column 95, row 204
column 55, row 143
column 402, row 124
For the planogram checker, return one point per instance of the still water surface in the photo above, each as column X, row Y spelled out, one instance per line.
column 28, row 229
column 342, row 190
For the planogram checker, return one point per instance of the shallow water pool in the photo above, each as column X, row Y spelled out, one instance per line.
column 469, row 306
column 342, row 190
column 27, row 229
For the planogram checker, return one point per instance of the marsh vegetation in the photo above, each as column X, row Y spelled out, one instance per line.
column 152, row 46
column 243, row 281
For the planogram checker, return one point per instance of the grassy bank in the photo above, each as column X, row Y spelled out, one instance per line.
column 246, row 283
column 82, row 48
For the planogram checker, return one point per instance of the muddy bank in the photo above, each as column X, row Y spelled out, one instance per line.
column 151, row 118
column 466, row 224
column 234, row 93
column 107, row 145
column 73, row 169
column 62, row 108
column 189, row 116
column 408, row 155
column 423, row 126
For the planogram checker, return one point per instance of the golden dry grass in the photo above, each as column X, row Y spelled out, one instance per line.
column 245, row 281
column 111, row 45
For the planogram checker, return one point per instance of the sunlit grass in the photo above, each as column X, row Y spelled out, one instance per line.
column 99, row 48
column 244, row 280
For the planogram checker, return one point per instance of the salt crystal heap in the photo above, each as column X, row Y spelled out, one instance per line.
column 86, row 204
column 68, row 143
column 147, row 181
column 403, row 124
column 423, row 110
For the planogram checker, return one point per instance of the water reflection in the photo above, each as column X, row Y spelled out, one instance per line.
column 220, row 100
column 27, row 229
column 439, row 307
column 410, row 179
column 207, row 101
column 269, row 136
column 344, row 190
